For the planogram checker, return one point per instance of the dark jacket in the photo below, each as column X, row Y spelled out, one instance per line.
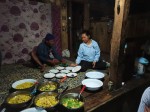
column 43, row 52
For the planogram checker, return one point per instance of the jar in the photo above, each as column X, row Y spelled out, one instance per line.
column 110, row 85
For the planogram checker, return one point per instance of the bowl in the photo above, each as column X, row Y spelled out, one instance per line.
column 33, row 109
column 25, row 85
column 95, row 75
column 71, row 75
column 49, row 75
column 68, row 102
column 92, row 84
column 47, row 101
column 60, row 75
column 54, row 71
column 60, row 68
column 76, row 69
column 19, row 99
column 64, row 71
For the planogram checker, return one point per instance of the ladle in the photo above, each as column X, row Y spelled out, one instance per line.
column 81, row 92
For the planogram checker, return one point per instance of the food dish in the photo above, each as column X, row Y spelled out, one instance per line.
column 34, row 109
column 60, row 68
column 25, row 83
column 54, row 71
column 60, row 75
column 49, row 75
column 64, row 71
column 72, row 74
column 76, row 69
column 95, row 75
column 69, row 68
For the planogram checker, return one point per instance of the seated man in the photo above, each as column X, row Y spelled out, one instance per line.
column 41, row 54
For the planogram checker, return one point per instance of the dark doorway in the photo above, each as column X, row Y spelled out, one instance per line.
column 75, row 26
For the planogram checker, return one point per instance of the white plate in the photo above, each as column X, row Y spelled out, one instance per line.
column 95, row 75
column 76, row 69
column 72, row 74
column 33, row 110
column 92, row 84
column 22, row 81
column 60, row 68
column 49, row 75
column 64, row 71
column 54, row 71
column 60, row 75
column 69, row 68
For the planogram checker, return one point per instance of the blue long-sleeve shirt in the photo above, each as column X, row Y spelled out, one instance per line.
column 88, row 53
column 145, row 100
column 43, row 52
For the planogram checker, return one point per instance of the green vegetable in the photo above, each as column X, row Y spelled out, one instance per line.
column 71, row 103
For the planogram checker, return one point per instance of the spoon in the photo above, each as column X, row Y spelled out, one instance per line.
column 81, row 92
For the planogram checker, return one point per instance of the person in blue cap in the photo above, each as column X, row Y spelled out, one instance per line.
column 43, row 50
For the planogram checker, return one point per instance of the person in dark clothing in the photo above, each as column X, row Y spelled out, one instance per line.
column 43, row 50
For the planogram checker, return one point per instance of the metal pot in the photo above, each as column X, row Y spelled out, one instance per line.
column 40, row 85
column 15, row 84
column 45, row 94
column 72, row 95
column 18, row 105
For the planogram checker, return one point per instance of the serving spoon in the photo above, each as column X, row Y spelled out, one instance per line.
column 78, row 97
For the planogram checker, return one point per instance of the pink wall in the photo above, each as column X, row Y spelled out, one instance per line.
column 23, row 25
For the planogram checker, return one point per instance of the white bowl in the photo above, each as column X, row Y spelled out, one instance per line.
column 95, row 75
column 72, row 74
column 60, row 68
column 60, row 75
column 33, row 109
column 64, row 71
column 54, row 71
column 15, row 84
column 92, row 84
column 76, row 69
column 69, row 68
column 49, row 75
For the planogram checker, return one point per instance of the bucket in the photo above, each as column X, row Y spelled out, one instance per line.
column 140, row 65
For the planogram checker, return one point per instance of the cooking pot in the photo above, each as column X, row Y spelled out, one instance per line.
column 23, row 81
column 16, row 104
column 74, row 96
column 50, row 86
column 44, row 100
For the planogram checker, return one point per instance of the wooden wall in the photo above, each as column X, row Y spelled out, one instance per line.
column 101, row 35
column 138, row 25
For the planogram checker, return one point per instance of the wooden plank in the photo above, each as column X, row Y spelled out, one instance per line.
column 96, row 100
column 117, row 47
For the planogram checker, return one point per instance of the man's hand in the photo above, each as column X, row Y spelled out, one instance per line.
column 53, row 62
column 94, row 63
column 73, row 64
column 63, row 61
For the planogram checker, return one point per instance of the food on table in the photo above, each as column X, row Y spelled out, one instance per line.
column 48, row 87
column 71, row 103
column 25, row 85
column 47, row 101
column 21, row 98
